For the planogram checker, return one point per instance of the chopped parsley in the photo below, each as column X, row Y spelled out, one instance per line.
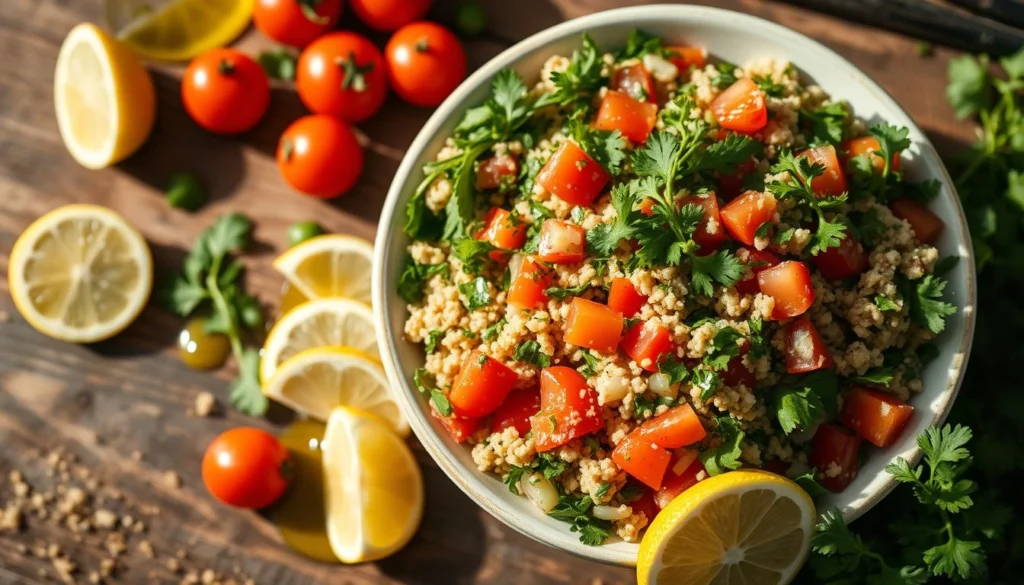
column 560, row 293
column 477, row 293
column 886, row 304
column 425, row 384
column 829, row 233
column 490, row 333
column 800, row 401
column 472, row 253
column 723, row 347
column 726, row 456
column 576, row 511
column 529, row 351
column 825, row 125
column 589, row 367
column 924, row 296
column 433, row 340
column 881, row 376
column 410, row 283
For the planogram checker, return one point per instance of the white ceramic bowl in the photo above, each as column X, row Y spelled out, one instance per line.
column 736, row 38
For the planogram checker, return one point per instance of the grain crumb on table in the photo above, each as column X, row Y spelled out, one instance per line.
column 206, row 404
column 146, row 548
column 172, row 480
column 137, row 455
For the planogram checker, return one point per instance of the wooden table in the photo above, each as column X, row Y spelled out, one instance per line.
column 120, row 407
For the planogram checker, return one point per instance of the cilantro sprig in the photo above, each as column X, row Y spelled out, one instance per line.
column 576, row 511
column 828, row 233
column 212, row 278
column 726, row 456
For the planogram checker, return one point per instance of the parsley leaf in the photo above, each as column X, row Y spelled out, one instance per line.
column 425, row 384
column 529, row 351
column 279, row 64
column 968, row 85
column 472, row 253
column 606, row 147
column 559, row 293
column 881, row 376
column 589, row 367
column 707, row 381
column 829, row 234
column 924, row 297
column 726, row 456
column 605, row 238
column 515, row 474
column 477, row 293
column 246, row 391
column 722, row 348
column 576, row 86
column 886, row 304
column 602, row 490
column 956, row 558
column 800, row 401
column 414, row 275
column 575, row 510
column 643, row 407
column 760, row 345
column 490, row 333
column 768, row 85
column 550, row 465
column 826, row 123
column 674, row 368
column 433, row 340
column 638, row 44
column 809, row 484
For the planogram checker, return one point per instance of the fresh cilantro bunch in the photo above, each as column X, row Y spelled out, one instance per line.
column 212, row 280
column 829, row 233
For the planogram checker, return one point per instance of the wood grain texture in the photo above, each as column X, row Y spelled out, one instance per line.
column 133, row 394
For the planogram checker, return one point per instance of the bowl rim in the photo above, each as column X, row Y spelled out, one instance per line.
column 471, row 484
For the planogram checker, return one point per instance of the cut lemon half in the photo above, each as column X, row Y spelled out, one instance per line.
column 319, row 323
column 374, row 489
column 329, row 266
column 103, row 96
column 318, row 380
column 178, row 30
column 80, row 273
column 737, row 528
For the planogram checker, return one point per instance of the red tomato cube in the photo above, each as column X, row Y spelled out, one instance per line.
column 517, row 410
column 849, row 259
column 526, row 290
column 622, row 297
column 685, row 57
column 926, row 225
column 789, row 284
column 834, row 453
column 635, row 81
column 805, row 351
column 572, row 176
column 561, row 242
column 709, row 234
column 676, row 427
column 647, row 343
column 503, row 230
column 458, row 428
column 498, row 170
column 877, row 417
column 569, row 408
column 756, row 260
column 481, row 386
column 742, row 107
column 833, row 180
column 593, row 325
column 745, row 214
column 869, row 146
column 633, row 118
column 642, row 459
column 673, row 485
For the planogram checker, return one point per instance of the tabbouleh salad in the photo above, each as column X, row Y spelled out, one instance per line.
column 650, row 268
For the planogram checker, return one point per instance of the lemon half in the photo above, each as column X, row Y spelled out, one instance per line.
column 373, row 486
column 178, row 30
column 80, row 273
column 329, row 266
column 103, row 96
column 737, row 528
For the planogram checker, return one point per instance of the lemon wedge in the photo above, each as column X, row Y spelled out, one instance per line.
column 374, row 488
column 329, row 266
column 80, row 273
column 318, row 380
column 178, row 29
column 319, row 323
column 737, row 528
column 103, row 96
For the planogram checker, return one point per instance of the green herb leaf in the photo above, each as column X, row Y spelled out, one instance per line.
column 882, row 376
column 638, row 44
column 800, row 401
column 246, row 392
column 476, row 292
column 575, row 510
column 590, row 363
column 278, row 63
column 529, row 351
column 726, row 456
column 886, row 304
column 968, row 85
column 490, row 333
column 924, row 297
column 433, row 340
column 184, row 191
column 515, row 474
column 674, row 368
column 414, row 277
column 826, row 123
column 606, row 147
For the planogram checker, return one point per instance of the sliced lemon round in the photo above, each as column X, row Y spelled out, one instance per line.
column 103, row 96
column 80, row 273
column 319, row 323
column 374, row 488
column 318, row 380
column 178, row 30
column 737, row 528
column 331, row 265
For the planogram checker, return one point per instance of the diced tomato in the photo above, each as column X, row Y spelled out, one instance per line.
column 868, row 145
column 593, row 325
column 676, row 427
column 709, row 234
column 729, row 186
column 834, row 453
column 745, row 214
column 644, row 504
column 634, row 81
column 926, row 225
column 569, row 408
column 673, row 485
column 776, row 466
column 647, row 343
column 737, row 373
column 561, row 242
column 496, row 171
column 633, row 118
column 572, row 176
column 622, row 297
column 685, row 57
column 517, row 410
column 481, row 386
column 642, row 459
column 789, row 283
column 756, row 260
column 526, row 291
column 741, row 107
column 805, row 351
column 833, row 180
column 647, row 207
column 846, row 260
column 875, row 416
column 459, row 428
column 503, row 230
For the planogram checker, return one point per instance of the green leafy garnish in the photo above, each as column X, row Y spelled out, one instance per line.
column 924, row 298
column 882, row 376
column 826, row 124
column 576, row 86
column 726, row 456
column 414, row 275
column 829, row 233
column 433, row 340
column 184, row 191
column 589, row 367
column 638, row 44
column 576, row 511
column 477, row 293
column 425, row 384
column 800, row 401
column 529, row 351
column 278, row 63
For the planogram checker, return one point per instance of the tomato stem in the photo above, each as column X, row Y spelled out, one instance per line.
column 289, row 148
column 225, row 67
column 422, row 45
column 354, row 74
column 308, row 8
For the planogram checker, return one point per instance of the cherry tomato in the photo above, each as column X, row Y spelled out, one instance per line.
column 225, row 91
column 741, row 107
column 388, row 15
column 676, row 427
column 425, row 63
column 673, row 484
column 481, row 386
column 926, row 225
column 342, row 74
column 593, row 325
column 295, row 22
column 319, row 156
column 247, row 468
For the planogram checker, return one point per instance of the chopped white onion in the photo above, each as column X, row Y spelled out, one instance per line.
column 540, row 491
column 659, row 384
column 611, row 512
column 611, row 389
column 662, row 70
column 515, row 264
column 684, row 458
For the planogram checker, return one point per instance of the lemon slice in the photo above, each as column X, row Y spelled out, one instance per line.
column 103, row 96
column 319, row 323
column 178, row 30
column 318, row 380
column 329, row 266
column 738, row 528
column 374, row 488
column 80, row 273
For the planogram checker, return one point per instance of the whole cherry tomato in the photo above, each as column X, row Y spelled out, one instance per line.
column 318, row 155
column 425, row 63
column 388, row 15
column 225, row 91
column 342, row 74
column 246, row 467
column 295, row 22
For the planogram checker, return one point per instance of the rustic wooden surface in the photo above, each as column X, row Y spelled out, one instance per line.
column 103, row 402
